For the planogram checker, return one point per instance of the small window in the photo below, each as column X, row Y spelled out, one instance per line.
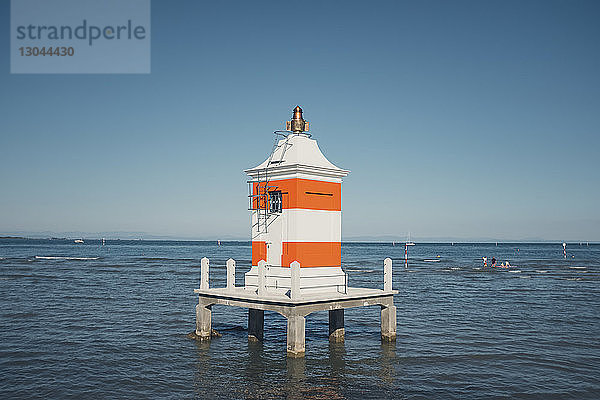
column 275, row 201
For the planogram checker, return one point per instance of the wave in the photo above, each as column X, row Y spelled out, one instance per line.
column 358, row 270
column 165, row 259
column 65, row 258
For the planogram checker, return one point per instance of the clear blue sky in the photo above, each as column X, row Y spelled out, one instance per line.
column 458, row 120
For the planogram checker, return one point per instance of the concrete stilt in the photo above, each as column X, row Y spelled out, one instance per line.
column 256, row 325
column 203, row 321
column 295, row 335
column 388, row 323
column 336, row 325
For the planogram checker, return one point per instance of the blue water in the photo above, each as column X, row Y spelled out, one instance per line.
column 92, row 321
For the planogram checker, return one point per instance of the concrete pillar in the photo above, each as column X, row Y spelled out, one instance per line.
column 203, row 321
column 256, row 325
column 204, row 264
column 387, row 275
column 262, row 278
column 295, row 335
column 336, row 325
column 231, row 274
column 295, row 279
column 388, row 323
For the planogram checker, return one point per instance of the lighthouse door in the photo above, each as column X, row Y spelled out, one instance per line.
column 274, row 251
column 274, row 241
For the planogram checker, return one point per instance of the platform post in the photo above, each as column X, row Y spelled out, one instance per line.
column 336, row 325
column 203, row 320
column 388, row 322
column 387, row 275
column 295, row 280
column 262, row 277
column 295, row 335
column 231, row 274
column 256, row 325
column 204, row 265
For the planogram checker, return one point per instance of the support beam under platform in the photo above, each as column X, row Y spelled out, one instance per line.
column 388, row 323
column 256, row 325
column 336, row 325
column 295, row 310
column 203, row 320
column 296, row 325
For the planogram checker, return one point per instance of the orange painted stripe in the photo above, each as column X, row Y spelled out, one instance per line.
column 259, row 252
column 312, row 254
column 302, row 193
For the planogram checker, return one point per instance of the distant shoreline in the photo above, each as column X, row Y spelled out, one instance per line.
column 347, row 242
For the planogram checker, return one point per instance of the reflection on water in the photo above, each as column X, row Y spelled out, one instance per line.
column 268, row 376
column 387, row 361
column 202, row 367
column 296, row 379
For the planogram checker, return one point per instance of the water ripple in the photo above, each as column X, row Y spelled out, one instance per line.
column 111, row 322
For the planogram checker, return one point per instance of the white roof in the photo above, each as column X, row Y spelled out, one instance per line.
column 298, row 154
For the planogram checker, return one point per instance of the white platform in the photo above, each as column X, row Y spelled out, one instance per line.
column 313, row 280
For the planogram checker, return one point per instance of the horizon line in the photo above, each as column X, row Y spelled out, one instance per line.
column 463, row 241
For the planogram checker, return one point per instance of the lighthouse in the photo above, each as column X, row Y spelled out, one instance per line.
column 295, row 202
column 295, row 198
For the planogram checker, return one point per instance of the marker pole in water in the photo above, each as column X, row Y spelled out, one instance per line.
column 565, row 249
column 405, row 255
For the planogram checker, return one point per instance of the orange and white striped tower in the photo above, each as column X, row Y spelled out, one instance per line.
column 296, row 204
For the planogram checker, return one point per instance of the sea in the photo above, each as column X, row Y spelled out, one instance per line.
column 94, row 321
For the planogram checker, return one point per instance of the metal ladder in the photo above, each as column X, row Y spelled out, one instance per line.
column 259, row 200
